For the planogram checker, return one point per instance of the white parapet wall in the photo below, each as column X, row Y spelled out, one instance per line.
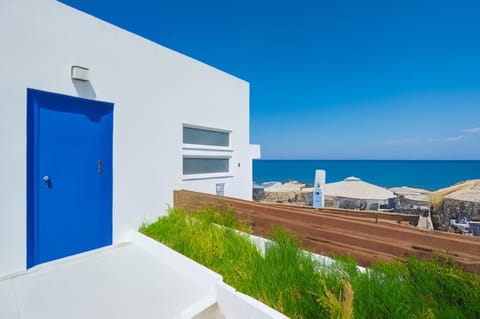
column 262, row 243
column 232, row 304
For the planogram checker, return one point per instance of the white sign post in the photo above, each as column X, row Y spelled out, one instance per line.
column 317, row 196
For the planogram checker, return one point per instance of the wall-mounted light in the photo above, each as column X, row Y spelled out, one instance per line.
column 80, row 73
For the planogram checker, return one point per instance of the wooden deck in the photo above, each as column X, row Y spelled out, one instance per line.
column 365, row 236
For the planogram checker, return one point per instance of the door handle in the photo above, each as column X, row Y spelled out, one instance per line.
column 46, row 179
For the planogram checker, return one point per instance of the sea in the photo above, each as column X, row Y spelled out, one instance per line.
column 427, row 174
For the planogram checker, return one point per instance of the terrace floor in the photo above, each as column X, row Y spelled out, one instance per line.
column 122, row 281
column 140, row 278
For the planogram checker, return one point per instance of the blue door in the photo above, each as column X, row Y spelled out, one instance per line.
column 69, row 175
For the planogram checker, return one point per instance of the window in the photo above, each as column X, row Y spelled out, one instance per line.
column 199, row 165
column 205, row 137
column 206, row 152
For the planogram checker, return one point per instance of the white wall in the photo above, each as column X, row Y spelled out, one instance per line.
column 154, row 90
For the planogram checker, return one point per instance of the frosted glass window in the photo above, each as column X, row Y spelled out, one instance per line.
column 205, row 137
column 204, row 165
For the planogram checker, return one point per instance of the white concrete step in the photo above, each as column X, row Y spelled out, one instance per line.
column 206, row 308
column 212, row 312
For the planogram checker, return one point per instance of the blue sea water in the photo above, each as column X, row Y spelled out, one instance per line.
column 430, row 175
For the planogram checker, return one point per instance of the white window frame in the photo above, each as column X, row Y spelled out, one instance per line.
column 204, row 146
column 208, row 175
column 207, row 151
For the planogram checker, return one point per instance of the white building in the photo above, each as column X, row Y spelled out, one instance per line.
column 98, row 126
column 88, row 155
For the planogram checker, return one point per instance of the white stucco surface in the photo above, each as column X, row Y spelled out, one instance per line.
column 123, row 282
column 138, row 279
column 154, row 90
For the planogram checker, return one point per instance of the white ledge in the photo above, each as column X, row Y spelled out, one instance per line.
column 198, row 147
column 192, row 177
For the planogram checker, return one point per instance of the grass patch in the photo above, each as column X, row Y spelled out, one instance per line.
column 288, row 280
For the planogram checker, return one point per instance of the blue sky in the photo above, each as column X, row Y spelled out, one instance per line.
column 333, row 79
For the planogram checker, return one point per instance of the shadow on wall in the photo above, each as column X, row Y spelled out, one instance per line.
column 84, row 89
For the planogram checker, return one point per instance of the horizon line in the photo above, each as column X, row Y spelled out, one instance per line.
column 373, row 159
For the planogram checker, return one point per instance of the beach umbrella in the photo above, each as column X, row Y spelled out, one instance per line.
column 353, row 187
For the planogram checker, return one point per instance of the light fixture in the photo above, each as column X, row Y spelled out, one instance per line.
column 80, row 73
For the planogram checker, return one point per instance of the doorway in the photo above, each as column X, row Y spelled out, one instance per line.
column 69, row 175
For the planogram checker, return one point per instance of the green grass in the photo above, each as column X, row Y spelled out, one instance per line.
column 290, row 281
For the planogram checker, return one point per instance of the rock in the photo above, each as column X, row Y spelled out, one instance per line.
column 258, row 194
column 411, row 193
column 291, row 192
column 459, row 201
column 459, row 209
column 411, row 200
column 330, row 201
column 291, row 186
